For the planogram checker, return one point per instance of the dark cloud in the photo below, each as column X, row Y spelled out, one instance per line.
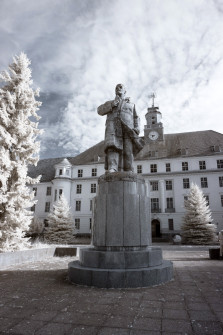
column 53, row 106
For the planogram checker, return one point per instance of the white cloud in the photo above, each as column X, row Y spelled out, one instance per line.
column 84, row 48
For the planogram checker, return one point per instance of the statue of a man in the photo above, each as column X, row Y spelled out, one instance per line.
column 121, row 133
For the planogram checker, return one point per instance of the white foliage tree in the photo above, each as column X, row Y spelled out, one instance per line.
column 18, row 149
column 60, row 223
column 36, row 226
column 197, row 227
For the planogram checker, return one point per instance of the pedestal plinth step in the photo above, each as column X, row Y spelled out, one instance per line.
column 93, row 258
column 120, row 278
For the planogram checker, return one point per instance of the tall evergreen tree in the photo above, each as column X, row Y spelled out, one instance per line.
column 61, row 226
column 197, row 227
column 18, row 149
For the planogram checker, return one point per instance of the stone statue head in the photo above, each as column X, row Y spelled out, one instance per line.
column 120, row 90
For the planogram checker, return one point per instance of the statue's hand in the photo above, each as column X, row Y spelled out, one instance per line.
column 115, row 103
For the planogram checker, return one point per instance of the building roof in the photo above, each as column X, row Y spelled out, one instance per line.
column 64, row 162
column 46, row 167
column 198, row 143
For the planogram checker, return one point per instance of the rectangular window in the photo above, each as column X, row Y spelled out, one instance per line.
column 207, row 199
column 91, row 203
column 78, row 206
column 47, row 206
column 153, row 168
column 80, row 173
column 139, row 169
column 185, row 198
column 186, row 183
column 154, row 185
column 202, row 165
column 169, row 203
column 60, row 172
column 33, row 208
column 220, row 163
column 48, row 190
column 79, row 189
column 204, row 182
column 93, row 188
column 90, row 223
column 154, row 204
column 94, row 172
column 153, row 153
column 60, row 192
column 168, row 167
column 35, row 191
column 222, row 200
column 221, row 181
column 67, row 172
column 170, row 224
column 169, row 185
column 184, row 166
column 77, row 223
column 55, row 195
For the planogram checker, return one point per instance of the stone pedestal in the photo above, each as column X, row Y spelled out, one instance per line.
column 121, row 255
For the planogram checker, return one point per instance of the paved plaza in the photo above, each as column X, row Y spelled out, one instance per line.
column 36, row 298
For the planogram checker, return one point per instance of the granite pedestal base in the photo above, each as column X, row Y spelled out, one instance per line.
column 122, row 256
column 120, row 269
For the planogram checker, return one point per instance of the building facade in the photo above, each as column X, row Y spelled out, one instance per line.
column 170, row 163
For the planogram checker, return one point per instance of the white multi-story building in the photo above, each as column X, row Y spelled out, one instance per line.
column 168, row 162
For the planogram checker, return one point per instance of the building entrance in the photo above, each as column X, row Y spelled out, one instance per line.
column 155, row 228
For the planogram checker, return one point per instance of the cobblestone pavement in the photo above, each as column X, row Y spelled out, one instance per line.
column 36, row 298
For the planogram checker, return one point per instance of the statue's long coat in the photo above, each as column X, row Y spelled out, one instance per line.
column 114, row 132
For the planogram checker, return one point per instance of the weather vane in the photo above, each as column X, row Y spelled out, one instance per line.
column 152, row 96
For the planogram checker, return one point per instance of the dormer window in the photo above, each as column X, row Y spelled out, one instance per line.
column 183, row 151
column 60, row 172
column 216, row 148
column 153, row 153
column 67, row 172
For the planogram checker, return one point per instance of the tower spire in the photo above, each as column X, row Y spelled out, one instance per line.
column 152, row 96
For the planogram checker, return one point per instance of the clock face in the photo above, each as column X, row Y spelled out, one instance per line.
column 153, row 135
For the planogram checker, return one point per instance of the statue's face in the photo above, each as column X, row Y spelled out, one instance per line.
column 120, row 89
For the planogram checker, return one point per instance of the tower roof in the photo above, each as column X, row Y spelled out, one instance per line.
column 151, row 110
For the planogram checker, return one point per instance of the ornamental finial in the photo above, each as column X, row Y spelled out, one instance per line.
column 152, row 96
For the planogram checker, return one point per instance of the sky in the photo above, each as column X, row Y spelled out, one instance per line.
column 80, row 50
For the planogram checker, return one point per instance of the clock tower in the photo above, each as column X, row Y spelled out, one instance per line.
column 153, row 130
